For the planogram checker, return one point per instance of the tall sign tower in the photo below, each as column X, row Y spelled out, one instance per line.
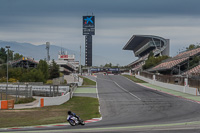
column 88, row 31
column 47, row 48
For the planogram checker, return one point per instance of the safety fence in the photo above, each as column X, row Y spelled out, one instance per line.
column 32, row 90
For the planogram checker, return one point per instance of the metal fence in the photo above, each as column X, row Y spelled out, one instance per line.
column 16, row 90
column 28, row 90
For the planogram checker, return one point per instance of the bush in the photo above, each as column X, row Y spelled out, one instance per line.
column 49, row 82
column 25, row 100
column 3, row 79
column 13, row 80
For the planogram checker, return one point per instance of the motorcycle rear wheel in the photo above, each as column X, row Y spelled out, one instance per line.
column 82, row 122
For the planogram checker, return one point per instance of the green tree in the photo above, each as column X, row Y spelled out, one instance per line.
column 44, row 67
column 10, row 55
column 108, row 65
column 17, row 56
column 3, row 55
column 192, row 46
column 3, row 69
column 33, row 75
column 54, row 70
column 151, row 54
column 16, row 73
column 153, row 61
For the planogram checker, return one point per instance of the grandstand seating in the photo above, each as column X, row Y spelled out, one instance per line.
column 24, row 62
column 193, row 71
column 139, row 62
column 168, row 64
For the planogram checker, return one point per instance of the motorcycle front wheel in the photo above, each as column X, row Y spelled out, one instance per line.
column 72, row 122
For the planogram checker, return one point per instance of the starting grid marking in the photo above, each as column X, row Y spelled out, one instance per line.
column 53, row 125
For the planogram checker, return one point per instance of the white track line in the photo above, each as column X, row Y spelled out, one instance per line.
column 127, row 91
column 121, row 88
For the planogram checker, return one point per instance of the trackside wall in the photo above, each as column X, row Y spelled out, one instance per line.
column 48, row 101
column 184, row 89
column 6, row 104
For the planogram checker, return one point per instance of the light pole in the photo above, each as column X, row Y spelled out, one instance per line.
column 80, row 62
column 7, row 72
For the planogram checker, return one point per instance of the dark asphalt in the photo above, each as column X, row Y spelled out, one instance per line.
column 124, row 103
column 118, row 107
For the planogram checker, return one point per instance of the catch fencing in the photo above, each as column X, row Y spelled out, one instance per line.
column 33, row 90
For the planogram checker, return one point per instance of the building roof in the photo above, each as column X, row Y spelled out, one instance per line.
column 138, row 39
column 24, row 62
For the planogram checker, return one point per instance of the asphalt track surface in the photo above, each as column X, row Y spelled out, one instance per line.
column 128, row 107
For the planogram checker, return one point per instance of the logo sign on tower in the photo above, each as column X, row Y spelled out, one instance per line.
column 88, row 22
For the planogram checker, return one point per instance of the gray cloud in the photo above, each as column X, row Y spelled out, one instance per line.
column 59, row 21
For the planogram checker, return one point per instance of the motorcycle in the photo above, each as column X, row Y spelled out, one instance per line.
column 73, row 121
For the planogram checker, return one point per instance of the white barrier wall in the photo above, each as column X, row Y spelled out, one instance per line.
column 48, row 101
column 184, row 89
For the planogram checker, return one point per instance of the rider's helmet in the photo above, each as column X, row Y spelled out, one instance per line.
column 69, row 112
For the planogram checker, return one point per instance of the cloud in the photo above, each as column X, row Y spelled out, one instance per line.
column 60, row 22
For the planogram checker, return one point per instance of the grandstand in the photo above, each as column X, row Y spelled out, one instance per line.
column 177, row 64
column 24, row 62
column 194, row 71
column 142, row 45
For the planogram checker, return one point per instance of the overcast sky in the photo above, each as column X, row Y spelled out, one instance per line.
column 60, row 23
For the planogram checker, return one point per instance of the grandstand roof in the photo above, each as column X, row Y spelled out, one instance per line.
column 24, row 62
column 138, row 39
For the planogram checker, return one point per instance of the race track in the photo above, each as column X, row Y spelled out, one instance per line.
column 128, row 107
column 124, row 102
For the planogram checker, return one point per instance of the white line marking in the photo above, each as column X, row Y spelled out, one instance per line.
column 121, row 88
column 127, row 91
column 98, row 99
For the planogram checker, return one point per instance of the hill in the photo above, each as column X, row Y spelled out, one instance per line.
column 36, row 51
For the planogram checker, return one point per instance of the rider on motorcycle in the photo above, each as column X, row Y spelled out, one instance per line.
column 70, row 113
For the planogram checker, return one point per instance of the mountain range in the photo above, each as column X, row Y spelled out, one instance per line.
column 36, row 51
column 39, row 52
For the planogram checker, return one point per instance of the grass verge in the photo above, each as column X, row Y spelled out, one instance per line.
column 133, row 78
column 85, row 107
column 87, row 81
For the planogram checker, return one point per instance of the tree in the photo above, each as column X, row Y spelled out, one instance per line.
column 10, row 55
column 192, row 46
column 44, row 68
column 3, row 55
column 33, row 75
column 153, row 61
column 3, row 71
column 17, row 56
column 54, row 70
column 151, row 54
column 108, row 65
column 16, row 73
